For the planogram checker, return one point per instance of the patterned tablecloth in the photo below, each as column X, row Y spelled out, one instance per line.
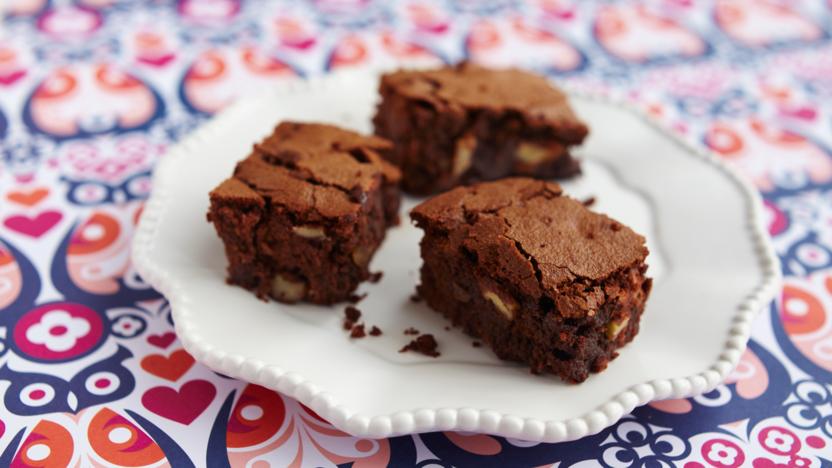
column 92, row 92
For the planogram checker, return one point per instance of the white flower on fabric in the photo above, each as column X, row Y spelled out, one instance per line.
column 723, row 454
column 58, row 331
column 127, row 326
column 778, row 440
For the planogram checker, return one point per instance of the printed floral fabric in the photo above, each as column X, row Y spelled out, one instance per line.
column 92, row 92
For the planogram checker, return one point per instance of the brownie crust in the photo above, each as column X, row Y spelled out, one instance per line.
column 533, row 274
column 462, row 124
column 303, row 214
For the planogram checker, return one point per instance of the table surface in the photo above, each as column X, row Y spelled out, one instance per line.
column 92, row 92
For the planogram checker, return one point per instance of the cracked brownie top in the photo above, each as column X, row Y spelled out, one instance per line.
column 526, row 232
column 313, row 166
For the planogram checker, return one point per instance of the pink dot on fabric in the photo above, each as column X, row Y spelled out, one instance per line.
column 102, row 383
column 694, row 465
column 815, row 442
column 57, row 330
column 37, row 394
column 127, row 326
column 363, row 445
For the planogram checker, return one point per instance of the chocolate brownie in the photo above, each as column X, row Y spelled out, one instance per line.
column 466, row 123
column 303, row 214
column 533, row 274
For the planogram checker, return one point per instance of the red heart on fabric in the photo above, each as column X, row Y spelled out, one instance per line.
column 33, row 227
column 162, row 341
column 30, row 198
column 171, row 368
column 182, row 406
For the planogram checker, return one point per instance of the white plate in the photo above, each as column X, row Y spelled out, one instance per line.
column 712, row 264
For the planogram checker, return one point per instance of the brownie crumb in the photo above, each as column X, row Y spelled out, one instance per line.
column 476, row 344
column 415, row 298
column 356, row 298
column 376, row 277
column 375, row 331
column 348, row 324
column 589, row 201
column 411, row 331
column 352, row 313
column 358, row 331
column 423, row 344
column 447, row 328
column 615, row 226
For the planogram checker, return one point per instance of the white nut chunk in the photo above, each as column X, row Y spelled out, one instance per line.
column 534, row 154
column 614, row 328
column 286, row 289
column 506, row 307
column 463, row 154
column 361, row 256
column 309, row 231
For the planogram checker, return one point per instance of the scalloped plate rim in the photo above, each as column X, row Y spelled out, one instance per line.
column 489, row 421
